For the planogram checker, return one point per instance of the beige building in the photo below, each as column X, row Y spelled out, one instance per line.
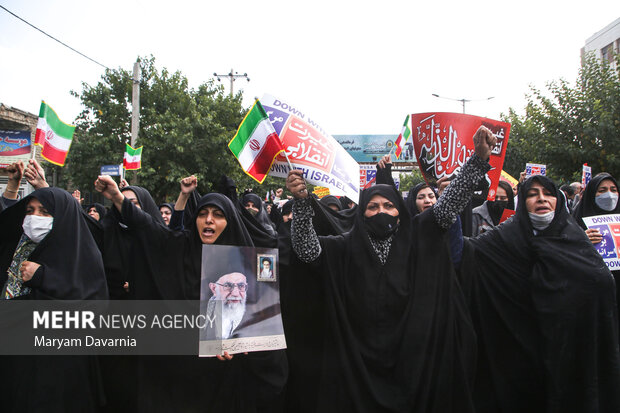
column 604, row 43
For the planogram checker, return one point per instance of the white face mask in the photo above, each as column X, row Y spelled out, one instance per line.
column 541, row 222
column 607, row 200
column 36, row 227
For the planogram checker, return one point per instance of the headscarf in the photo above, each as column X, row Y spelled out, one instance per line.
column 587, row 206
column 396, row 334
column 71, row 261
column 544, row 309
column 101, row 210
column 412, row 196
column 120, row 247
column 496, row 208
column 331, row 200
column 261, row 217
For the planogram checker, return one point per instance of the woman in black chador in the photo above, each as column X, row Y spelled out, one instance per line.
column 599, row 198
column 398, row 336
column 245, row 383
column 48, row 253
column 543, row 304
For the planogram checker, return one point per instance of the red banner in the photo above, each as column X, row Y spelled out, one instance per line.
column 443, row 142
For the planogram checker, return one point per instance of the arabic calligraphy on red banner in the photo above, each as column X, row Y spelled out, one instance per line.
column 443, row 142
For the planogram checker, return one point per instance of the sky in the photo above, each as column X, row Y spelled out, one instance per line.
column 358, row 67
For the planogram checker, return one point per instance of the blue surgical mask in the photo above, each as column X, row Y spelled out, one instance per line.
column 607, row 200
column 542, row 221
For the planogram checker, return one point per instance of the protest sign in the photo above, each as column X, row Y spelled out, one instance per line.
column 240, row 299
column 532, row 169
column 368, row 176
column 320, row 191
column 586, row 174
column 309, row 148
column 15, row 145
column 443, row 142
column 609, row 247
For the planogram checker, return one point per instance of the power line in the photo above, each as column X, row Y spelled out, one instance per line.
column 52, row 37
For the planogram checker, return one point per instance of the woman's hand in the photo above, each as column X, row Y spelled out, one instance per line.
column 27, row 270
column 35, row 175
column 594, row 235
column 189, row 184
column 106, row 185
column 296, row 185
column 484, row 142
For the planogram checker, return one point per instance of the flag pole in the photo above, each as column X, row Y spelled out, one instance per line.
column 291, row 168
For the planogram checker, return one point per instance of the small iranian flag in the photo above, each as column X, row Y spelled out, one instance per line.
column 256, row 143
column 133, row 158
column 405, row 133
column 53, row 136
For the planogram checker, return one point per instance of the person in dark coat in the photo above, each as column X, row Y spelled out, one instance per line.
column 245, row 383
column 544, row 309
column 398, row 336
column 48, row 253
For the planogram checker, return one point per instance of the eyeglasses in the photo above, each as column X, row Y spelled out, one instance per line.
column 228, row 287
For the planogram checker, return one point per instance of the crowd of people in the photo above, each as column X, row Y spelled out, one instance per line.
column 430, row 303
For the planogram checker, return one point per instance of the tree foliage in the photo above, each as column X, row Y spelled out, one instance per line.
column 184, row 131
column 570, row 125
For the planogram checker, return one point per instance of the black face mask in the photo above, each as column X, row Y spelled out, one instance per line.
column 496, row 208
column 381, row 226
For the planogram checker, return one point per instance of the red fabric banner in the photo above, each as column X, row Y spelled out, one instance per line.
column 443, row 142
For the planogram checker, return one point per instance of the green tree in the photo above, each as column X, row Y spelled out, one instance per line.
column 410, row 179
column 184, row 131
column 570, row 125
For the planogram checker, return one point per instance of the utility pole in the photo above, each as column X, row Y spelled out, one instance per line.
column 462, row 100
column 233, row 76
column 135, row 113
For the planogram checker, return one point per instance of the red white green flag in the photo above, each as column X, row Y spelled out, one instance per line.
column 405, row 133
column 256, row 143
column 133, row 158
column 53, row 136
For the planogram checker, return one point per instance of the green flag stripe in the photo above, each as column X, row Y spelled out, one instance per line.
column 60, row 128
column 247, row 128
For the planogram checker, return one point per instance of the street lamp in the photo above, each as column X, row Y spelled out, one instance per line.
column 463, row 100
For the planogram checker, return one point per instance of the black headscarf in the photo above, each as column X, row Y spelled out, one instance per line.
column 72, row 268
column 496, row 208
column 193, row 383
column 396, row 335
column 261, row 217
column 331, row 200
column 101, row 210
column 121, row 246
column 587, row 206
column 544, row 309
column 413, row 194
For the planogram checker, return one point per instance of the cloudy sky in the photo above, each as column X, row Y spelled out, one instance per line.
column 356, row 66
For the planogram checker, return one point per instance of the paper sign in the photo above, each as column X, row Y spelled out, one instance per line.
column 443, row 142
column 609, row 247
column 240, row 300
column 311, row 149
column 14, row 146
column 586, row 174
column 532, row 169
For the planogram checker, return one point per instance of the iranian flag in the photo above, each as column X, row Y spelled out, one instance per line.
column 256, row 143
column 133, row 158
column 53, row 136
column 405, row 133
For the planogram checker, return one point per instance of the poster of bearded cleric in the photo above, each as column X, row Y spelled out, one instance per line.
column 443, row 142
column 240, row 299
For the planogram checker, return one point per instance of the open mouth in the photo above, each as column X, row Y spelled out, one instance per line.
column 208, row 232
